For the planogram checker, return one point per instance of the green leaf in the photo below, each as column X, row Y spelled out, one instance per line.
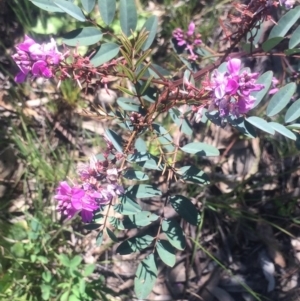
column 75, row 261
column 282, row 130
column 115, row 139
column 294, row 126
column 107, row 10
column 285, row 23
column 127, row 206
column 200, row 149
column 162, row 71
column 71, row 9
column 141, row 219
column 47, row 5
column 242, row 125
column 293, row 112
column 152, row 163
column 223, row 67
column 106, row 52
column 64, row 260
column 145, row 277
column 295, row 38
column 261, row 124
column 150, row 26
column 140, row 145
column 291, row 51
column 181, row 122
column 280, row 99
column 271, row 43
column 99, row 238
column 82, row 36
column 174, row 234
column 185, row 208
column 142, row 191
column 111, row 235
column 129, row 104
column 128, row 16
column 89, row 269
column 135, row 175
column 166, row 252
column 134, row 244
column 256, row 32
column 265, row 79
column 88, row 5
column 116, row 223
column 193, row 174
column 139, row 157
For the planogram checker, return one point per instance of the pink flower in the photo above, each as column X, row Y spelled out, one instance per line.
column 231, row 90
column 35, row 59
column 75, row 199
column 189, row 39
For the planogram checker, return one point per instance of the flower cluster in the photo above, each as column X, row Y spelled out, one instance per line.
column 99, row 186
column 230, row 91
column 35, row 59
column 189, row 40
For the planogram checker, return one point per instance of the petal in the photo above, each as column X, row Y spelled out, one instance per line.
column 26, row 44
column 38, row 67
column 191, row 29
column 233, row 66
column 86, row 216
column 232, row 86
column 20, row 77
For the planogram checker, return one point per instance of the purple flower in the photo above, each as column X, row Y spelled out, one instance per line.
column 231, row 90
column 189, row 39
column 75, row 199
column 35, row 59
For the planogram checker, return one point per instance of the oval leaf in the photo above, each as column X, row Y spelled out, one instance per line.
column 106, row 52
column 200, row 149
column 282, row 130
column 83, row 36
column 293, row 111
column 271, row 43
column 142, row 191
column 174, row 234
column 145, row 277
column 127, row 206
column 88, row 5
column 265, row 79
column 135, row 175
column 280, row 99
column 151, row 27
column 261, row 124
column 47, row 5
column 128, row 104
column 115, row 139
column 166, row 252
column 128, row 16
column 193, row 174
column 71, row 9
column 295, row 38
column 107, row 10
column 185, row 208
column 134, row 244
column 142, row 219
column 285, row 23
